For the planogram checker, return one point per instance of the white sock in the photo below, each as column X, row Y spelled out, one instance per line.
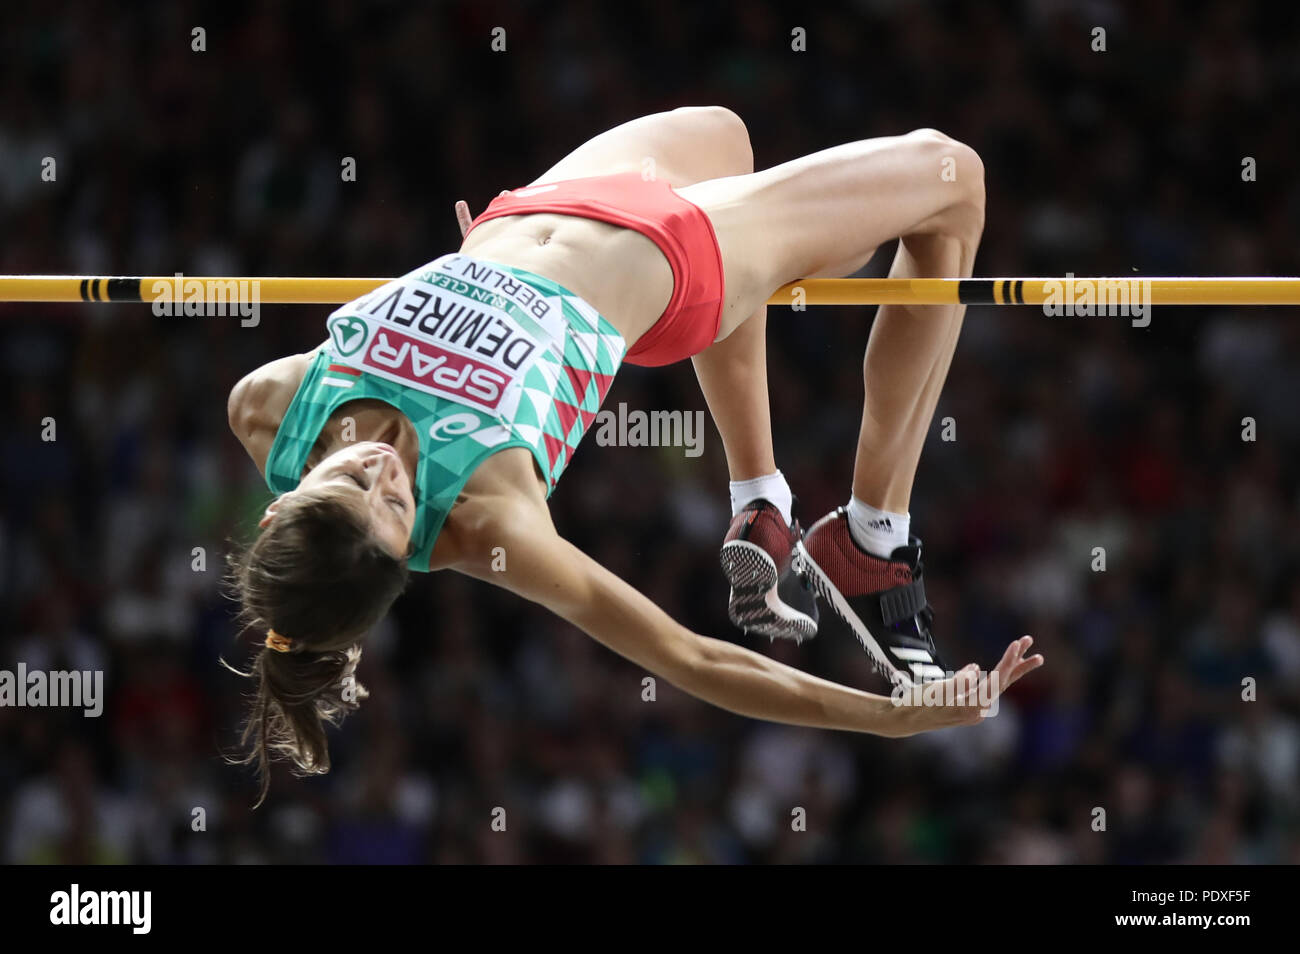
column 771, row 487
column 877, row 531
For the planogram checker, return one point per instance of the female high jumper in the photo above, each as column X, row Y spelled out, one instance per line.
column 429, row 429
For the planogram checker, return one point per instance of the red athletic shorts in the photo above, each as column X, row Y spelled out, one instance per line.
column 681, row 230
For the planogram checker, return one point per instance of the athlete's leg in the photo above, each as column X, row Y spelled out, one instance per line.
column 681, row 146
column 733, row 378
column 826, row 214
column 684, row 146
column 906, row 363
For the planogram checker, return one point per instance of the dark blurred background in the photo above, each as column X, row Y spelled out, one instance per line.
column 1071, row 433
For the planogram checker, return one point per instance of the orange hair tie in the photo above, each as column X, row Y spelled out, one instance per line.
column 281, row 644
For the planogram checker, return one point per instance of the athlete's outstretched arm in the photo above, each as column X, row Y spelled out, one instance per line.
column 545, row 568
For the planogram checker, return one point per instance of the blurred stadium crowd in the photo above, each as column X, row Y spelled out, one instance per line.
column 1071, row 434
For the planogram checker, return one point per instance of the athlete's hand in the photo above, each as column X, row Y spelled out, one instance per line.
column 967, row 697
column 463, row 218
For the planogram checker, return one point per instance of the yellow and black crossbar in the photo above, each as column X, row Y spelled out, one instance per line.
column 1135, row 290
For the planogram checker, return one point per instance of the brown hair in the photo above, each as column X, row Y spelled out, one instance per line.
column 317, row 576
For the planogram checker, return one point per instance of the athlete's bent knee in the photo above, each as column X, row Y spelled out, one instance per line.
column 958, row 167
column 724, row 134
column 965, row 163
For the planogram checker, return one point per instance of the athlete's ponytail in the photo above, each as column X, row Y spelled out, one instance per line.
column 312, row 584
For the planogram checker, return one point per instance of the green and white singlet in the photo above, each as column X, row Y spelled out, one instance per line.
column 479, row 356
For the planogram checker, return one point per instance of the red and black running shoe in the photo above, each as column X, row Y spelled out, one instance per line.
column 883, row 601
column 767, row 594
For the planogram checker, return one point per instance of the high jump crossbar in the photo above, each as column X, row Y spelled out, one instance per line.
column 1137, row 289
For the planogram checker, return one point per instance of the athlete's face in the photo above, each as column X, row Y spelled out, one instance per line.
column 372, row 478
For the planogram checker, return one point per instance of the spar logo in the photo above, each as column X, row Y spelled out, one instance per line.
column 434, row 368
column 348, row 334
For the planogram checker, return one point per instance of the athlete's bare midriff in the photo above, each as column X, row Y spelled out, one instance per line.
column 618, row 271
